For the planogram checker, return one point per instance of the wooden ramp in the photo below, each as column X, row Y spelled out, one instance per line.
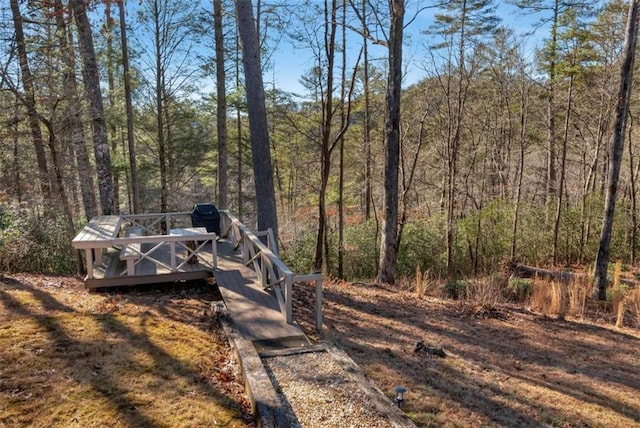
column 255, row 312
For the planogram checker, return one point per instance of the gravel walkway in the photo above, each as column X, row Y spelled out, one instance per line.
column 316, row 389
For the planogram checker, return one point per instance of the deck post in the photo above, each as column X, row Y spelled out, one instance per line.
column 263, row 271
column 89, row 252
column 214, row 252
column 288, row 297
column 172, row 246
column 271, row 242
column 319, row 305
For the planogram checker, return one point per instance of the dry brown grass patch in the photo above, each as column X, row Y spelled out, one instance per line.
column 70, row 358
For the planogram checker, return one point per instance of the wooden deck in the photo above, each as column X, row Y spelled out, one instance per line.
column 255, row 312
column 132, row 250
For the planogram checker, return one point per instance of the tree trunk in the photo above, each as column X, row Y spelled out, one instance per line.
column 135, row 183
column 389, row 243
column 367, row 116
column 94, row 93
column 617, row 148
column 160, row 107
column 563, row 164
column 239, row 153
column 260, row 150
column 524, row 110
column 30, row 103
column 551, row 109
column 633, row 175
column 221, row 111
column 87, row 185
column 112, row 130
column 343, row 123
column 326, row 148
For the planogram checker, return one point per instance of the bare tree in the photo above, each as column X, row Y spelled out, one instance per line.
column 389, row 243
column 30, row 102
column 96, row 108
column 135, row 184
column 617, row 148
column 73, row 112
column 221, row 110
column 258, row 128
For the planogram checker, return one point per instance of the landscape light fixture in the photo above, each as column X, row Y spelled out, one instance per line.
column 400, row 390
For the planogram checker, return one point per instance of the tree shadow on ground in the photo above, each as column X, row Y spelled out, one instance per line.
column 519, row 369
column 84, row 360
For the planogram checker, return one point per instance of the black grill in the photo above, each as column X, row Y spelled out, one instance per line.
column 206, row 215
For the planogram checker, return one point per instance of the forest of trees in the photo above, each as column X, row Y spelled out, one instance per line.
column 501, row 152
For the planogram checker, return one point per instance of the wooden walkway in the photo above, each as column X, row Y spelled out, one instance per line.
column 255, row 312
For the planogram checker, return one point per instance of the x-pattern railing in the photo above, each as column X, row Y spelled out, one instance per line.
column 156, row 227
column 264, row 260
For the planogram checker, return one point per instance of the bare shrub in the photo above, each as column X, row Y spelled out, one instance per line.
column 487, row 290
column 578, row 291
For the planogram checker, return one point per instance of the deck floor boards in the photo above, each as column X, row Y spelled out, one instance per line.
column 254, row 311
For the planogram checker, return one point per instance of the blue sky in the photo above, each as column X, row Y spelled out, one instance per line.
column 290, row 63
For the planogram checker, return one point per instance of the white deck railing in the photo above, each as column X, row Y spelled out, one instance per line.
column 157, row 227
column 264, row 260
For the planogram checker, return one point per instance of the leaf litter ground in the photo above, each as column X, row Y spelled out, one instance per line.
column 69, row 357
column 157, row 357
column 502, row 366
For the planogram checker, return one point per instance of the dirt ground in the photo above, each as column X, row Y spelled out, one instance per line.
column 465, row 365
column 462, row 365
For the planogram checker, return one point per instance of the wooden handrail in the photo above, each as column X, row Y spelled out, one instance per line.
column 271, row 271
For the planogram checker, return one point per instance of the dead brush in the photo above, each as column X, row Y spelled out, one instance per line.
column 620, row 297
column 540, row 298
column 419, row 282
column 634, row 304
column 551, row 298
column 617, row 295
column 578, row 291
column 487, row 290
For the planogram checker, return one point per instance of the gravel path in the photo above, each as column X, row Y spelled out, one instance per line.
column 316, row 390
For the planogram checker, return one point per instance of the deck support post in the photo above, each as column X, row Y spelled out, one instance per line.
column 319, row 305
column 89, row 253
column 288, row 297
column 172, row 246
column 214, row 252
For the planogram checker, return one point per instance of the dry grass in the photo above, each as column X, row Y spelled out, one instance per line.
column 71, row 358
column 421, row 282
column 560, row 299
column 503, row 367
